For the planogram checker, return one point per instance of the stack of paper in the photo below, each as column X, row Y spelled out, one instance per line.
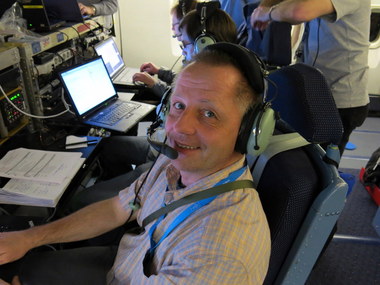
column 38, row 178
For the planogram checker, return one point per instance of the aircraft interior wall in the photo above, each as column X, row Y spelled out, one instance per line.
column 144, row 31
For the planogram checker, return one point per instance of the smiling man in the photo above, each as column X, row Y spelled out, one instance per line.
column 224, row 240
column 204, row 120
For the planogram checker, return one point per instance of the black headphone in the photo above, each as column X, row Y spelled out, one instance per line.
column 258, row 123
column 183, row 7
column 204, row 10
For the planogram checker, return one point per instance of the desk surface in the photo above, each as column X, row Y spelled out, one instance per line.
column 33, row 141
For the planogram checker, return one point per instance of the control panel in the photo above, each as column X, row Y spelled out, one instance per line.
column 12, row 99
column 41, row 61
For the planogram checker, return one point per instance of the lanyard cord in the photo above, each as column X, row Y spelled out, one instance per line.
column 189, row 210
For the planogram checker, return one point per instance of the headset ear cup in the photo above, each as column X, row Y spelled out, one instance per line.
column 164, row 106
column 202, row 41
column 261, row 132
column 244, row 131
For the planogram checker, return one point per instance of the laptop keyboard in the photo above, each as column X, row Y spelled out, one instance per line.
column 126, row 75
column 115, row 113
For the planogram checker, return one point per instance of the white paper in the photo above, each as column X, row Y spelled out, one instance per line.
column 35, row 193
column 38, row 165
column 75, row 139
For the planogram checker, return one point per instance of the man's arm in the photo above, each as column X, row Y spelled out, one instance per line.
column 86, row 223
column 105, row 7
column 291, row 11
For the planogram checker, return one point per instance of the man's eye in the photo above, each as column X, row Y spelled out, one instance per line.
column 209, row 114
column 178, row 106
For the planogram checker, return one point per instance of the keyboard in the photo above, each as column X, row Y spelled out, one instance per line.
column 115, row 113
column 126, row 75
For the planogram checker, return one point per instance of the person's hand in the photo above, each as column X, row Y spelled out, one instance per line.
column 149, row 67
column 15, row 281
column 145, row 78
column 2, row 282
column 86, row 10
column 260, row 18
column 13, row 246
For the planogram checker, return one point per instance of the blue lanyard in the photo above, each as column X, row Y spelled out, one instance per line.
column 188, row 211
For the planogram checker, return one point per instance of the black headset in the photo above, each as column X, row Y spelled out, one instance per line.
column 258, row 123
column 183, row 7
column 204, row 10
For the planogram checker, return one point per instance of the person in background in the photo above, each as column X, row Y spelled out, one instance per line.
column 235, row 9
column 336, row 42
column 218, row 24
column 98, row 7
column 165, row 76
column 225, row 240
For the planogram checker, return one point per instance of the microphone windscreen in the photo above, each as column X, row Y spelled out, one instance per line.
column 163, row 148
column 169, row 152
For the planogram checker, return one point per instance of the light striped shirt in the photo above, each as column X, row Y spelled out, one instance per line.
column 224, row 242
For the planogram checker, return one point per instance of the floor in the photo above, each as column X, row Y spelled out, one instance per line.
column 353, row 255
column 366, row 139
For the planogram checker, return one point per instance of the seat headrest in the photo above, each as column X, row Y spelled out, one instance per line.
column 304, row 101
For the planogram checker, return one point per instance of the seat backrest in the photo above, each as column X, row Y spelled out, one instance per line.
column 294, row 179
column 273, row 44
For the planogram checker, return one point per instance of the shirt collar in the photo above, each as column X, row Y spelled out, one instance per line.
column 173, row 176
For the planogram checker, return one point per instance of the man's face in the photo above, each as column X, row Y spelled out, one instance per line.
column 187, row 46
column 204, row 120
column 175, row 26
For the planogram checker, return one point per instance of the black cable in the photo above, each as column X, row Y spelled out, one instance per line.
column 317, row 53
column 135, row 200
column 276, row 89
column 92, row 31
column 176, row 62
column 76, row 31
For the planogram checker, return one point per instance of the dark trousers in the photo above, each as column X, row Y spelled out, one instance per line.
column 80, row 266
column 351, row 119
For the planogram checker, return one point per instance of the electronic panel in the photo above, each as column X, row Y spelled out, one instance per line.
column 40, row 61
column 12, row 102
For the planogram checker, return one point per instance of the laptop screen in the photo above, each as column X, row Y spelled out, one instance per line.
column 88, row 85
column 67, row 10
column 108, row 50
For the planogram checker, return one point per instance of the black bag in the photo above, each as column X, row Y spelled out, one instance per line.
column 371, row 176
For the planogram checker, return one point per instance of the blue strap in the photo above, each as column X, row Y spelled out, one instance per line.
column 188, row 211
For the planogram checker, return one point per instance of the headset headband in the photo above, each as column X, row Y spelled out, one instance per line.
column 250, row 64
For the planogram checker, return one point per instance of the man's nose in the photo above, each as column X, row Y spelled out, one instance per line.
column 186, row 123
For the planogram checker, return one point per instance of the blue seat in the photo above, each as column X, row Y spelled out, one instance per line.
column 273, row 44
column 298, row 182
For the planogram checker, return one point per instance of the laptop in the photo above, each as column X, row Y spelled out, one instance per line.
column 95, row 101
column 38, row 18
column 118, row 71
column 67, row 10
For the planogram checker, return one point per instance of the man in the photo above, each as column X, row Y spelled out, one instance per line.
column 224, row 242
column 98, row 7
column 235, row 9
column 336, row 42
column 120, row 151
column 218, row 24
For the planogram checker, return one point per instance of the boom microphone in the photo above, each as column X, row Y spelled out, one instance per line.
column 163, row 148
